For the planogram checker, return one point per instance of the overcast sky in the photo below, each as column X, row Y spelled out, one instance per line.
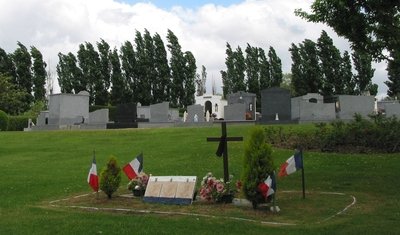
column 202, row 27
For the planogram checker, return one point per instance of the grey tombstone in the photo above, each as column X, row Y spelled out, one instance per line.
column 235, row 112
column 311, row 108
column 392, row 109
column 248, row 99
column 276, row 104
column 99, row 116
column 348, row 105
column 68, row 109
column 193, row 111
column 159, row 112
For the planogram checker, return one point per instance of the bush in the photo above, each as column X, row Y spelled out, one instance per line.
column 18, row 123
column 361, row 135
column 3, row 121
column 258, row 164
column 110, row 177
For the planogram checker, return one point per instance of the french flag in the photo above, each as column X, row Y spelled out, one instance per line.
column 92, row 178
column 291, row 165
column 268, row 187
column 134, row 168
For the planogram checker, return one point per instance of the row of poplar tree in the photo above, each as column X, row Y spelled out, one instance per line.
column 22, row 79
column 316, row 68
column 140, row 73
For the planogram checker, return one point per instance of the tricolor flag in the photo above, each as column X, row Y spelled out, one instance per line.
column 268, row 187
column 92, row 178
column 291, row 165
column 134, row 168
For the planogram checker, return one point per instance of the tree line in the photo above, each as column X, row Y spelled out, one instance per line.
column 22, row 79
column 138, row 72
column 252, row 72
column 319, row 67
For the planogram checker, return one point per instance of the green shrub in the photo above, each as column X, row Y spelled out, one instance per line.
column 110, row 177
column 258, row 164
column 3, row 121
column 18, row 123
column 361, row 135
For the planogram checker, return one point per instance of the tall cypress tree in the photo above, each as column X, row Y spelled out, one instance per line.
column 310, row 63
column 365, row 72
column 265, row 77
column 229, row 74
column 177, row 65
column 190, row 76
column 161, row 85
column 330, row 60
column 128, row 62
column 102, row 95
column 6, row 65
column 39, row 74
column 299, row 80
column 252, row 70
column 119, row 86
column 275, row 67
column 238, row 80
column 393, row 70
column 147, row 90
column 22, row 62
column 347, row 74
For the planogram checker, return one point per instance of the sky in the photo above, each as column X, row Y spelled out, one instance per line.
column 202, row 27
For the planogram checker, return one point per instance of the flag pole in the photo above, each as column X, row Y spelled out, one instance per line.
column 94, row 156
column 302, row 174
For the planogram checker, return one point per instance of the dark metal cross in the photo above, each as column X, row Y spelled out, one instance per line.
column 223, row 147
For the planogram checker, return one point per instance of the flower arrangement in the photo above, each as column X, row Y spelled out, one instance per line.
column 139, row 183
column 213, row 189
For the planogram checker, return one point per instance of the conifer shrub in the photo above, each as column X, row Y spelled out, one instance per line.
column 110, row 177
column 3, row 121
column 258, row 164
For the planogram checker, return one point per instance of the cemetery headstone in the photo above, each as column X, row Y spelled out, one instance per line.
column 193, row 111
column 275, row 101
column 249, row 101
column 235, row 112
column 170, row 189
column 159, row 112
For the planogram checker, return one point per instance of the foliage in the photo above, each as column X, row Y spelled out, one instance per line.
column 251, row 72
column 139, row 182
column 110, row 177
column 393, row 70
column 3, row 121
column 371, row 26
column 376, row 134
column 18, row 123
column 258, row 164
column 362, row 64
column 13, row 100
column 39, row 74
column 213, row 189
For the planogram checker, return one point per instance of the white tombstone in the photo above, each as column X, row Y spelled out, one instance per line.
column 185, row 115
column 207, row 116
column 195, row 118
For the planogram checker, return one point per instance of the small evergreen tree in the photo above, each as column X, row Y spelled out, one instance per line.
column 258, row 164
column 110, row 177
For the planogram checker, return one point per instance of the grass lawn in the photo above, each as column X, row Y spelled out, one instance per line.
column 39, row 167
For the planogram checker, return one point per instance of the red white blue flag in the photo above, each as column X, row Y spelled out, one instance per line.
column 291, row 165
column 268, row 187
column 92, row 178
column 134, row 168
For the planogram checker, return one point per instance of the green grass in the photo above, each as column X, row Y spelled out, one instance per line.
column 38, row 167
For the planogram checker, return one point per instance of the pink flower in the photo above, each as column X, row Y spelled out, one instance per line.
column 220, row 187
